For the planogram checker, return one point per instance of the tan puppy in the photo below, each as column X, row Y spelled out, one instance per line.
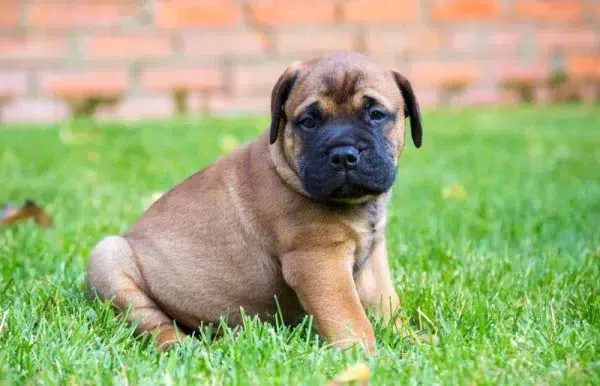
column 298, row 214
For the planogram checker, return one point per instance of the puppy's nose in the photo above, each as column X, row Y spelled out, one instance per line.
column 344, row 157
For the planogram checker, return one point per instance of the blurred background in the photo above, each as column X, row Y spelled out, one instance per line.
column 124, row 59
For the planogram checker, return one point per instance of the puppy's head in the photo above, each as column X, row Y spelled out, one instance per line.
column 337, row 126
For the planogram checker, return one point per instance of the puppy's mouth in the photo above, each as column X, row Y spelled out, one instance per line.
column 349, row 190
column 349, row 187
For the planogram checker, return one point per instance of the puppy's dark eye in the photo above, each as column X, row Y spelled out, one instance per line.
column 308, row 123
column 376, row 115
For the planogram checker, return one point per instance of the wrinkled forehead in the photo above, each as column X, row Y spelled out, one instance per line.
column 341, row 88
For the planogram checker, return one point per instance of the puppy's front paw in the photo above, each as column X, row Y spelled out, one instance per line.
column 369, row 347
column 364, row 340
column 167, row 336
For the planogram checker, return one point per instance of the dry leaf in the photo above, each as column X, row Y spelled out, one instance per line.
column 420, row 337
column 147, row 201
column 3, row 322
column 93, row 156
column 68, row 137
column 30, row 210
column 455, row 191
column 358, row 372
column 229, row 143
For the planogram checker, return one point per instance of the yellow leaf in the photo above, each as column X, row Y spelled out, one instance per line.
column 455, row 191
column 3, row 322
column 359, row 372
column 69, row 137
column 229, row 143
column 93, row 156
column 151, row 198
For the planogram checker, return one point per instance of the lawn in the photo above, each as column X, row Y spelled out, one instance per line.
column 494, row 240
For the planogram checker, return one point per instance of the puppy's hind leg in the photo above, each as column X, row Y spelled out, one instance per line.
column 113, row 275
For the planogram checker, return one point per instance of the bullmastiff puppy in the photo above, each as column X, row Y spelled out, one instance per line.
column 296, row 217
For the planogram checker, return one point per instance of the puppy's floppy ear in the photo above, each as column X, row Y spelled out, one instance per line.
column 411, row 108
column 279, row 95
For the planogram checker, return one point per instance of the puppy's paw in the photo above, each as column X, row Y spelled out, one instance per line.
column 168, row 336
column 369, row 346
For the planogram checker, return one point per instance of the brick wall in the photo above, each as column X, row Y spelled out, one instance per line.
column 151, row 58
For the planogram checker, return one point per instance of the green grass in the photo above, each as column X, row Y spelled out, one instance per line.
column 504, row 267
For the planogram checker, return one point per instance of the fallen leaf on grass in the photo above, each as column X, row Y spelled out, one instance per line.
column 455, row 191
column 420, row 337
column 69, row 137
column 147, row 201
column 229, row 143
column 30, row 210
column 3, row 322
column 358, row 372
column 93, row 156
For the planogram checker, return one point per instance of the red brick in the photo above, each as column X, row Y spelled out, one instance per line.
column 129, row 46
column 197, row 13
column 505, row 40
column 180, row 78
column 515, row 71
column 292, row 12
column 391, row 62
column 568, row 39
column 385, row 42
column 256, row 104
column 508, row 96
column 421, row 41
column 427, row 97
column 549, row 10
column 379, row 11
column 82, row 84
column 589, row 92
column 542, row 94
column 478, row 96
column 261, row 77
column 465, row 10
column 33, row 47
column 9, row 15
column 198, row 101
column 12, row 83
column 584, row 67
column 444, row 74
column 34, row 110
column 313, row 43
column 224, row 43
column 79, row 14
column 143, row 107
column 462, row 41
